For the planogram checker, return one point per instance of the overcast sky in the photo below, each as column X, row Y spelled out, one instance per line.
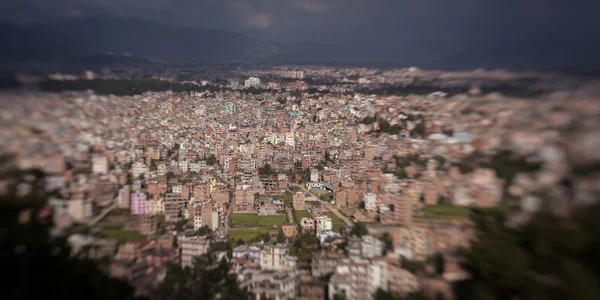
column 379, row 21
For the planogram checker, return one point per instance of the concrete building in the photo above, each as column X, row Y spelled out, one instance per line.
column 192, row 247
column 123, row 200
column 139, row 168
column 100, row 165
column 365, row 247
column 139, row 203
column 370, row 201
column 358, row 279
column 324, row 223
column 80, row 209
column 148, row 224
column 401, row 282
column 272, row 285
column 277, row 257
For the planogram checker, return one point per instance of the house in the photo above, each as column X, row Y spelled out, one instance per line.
column 324, row 223
column 277, row 257
column 307, row 224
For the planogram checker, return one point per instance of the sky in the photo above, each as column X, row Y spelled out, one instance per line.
column 376, row 21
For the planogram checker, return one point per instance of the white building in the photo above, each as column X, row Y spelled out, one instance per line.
column 324, row 223
column 314, row 175
column 197, row 167
column 176, row 189
column 272, row 285
column 183, row 166
column 365, row 247
column 80, row 209
column 192, row 247
column 277, row 257
column 252, row 82
column 100, row 165
column 358, row 279
column 370, row 200
column 197, row 222
column 123, row 197
column 161, row 169
column 139, row 168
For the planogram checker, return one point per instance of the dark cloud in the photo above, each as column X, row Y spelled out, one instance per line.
column 381, row 21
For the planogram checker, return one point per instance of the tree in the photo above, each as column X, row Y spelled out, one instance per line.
column 548, row 258
column 170, row 175
column 211, row 160
column 386, row 238
column 41, row 266
column 208, row 278
column 175, row 243
column 181, row 224
column 359, row 229
column 204, row 231
column 383, row 295
column 280, row 237
column 266, row 237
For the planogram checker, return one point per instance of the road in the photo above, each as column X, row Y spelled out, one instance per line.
column 331, row 207
column 103, row 214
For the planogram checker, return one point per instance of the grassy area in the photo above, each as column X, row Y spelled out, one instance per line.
column 446, row 212
column 336, row 222
column 299, row 214
column 253, row 220
column 246, row 234
column 122, row 235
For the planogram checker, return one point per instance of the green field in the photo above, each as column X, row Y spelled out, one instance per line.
column 122, row 235
column 299, row 214
column 446, row 212
column 253, row 220
column 336, row 222
column 246, row 234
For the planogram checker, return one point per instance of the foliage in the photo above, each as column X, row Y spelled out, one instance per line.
column 211, row 160
column 124, row 87
column 207, row 279
column 368, row 120
column 386, row 238
column 247, row 235
column 266, row 170
column 359, row 229
column 254, row 220
column 549, row 258
column 181, row 224
column 40, row 266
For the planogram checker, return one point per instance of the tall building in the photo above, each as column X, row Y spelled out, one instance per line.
column 277, row 257
column 358, row 279
column 191, row 247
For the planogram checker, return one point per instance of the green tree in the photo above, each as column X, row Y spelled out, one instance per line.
column 211, row 160
column 280, row 237
column 208, row 278
column 359, row 229
column 386, row 238
column 549, row 258
column 383, row 295
column 41, row 266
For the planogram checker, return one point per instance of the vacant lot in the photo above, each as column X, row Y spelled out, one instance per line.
column 246, row 234
column 336, row 222
column 122, row 235
column 253, row 220
column 446, row 212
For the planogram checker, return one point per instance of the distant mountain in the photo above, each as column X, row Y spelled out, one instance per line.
column 91, row 35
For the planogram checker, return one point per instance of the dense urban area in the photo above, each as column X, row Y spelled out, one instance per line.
column 303, row 182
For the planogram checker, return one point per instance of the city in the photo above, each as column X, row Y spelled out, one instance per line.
column 305, row 190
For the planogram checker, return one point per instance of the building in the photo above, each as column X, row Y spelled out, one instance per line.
column 248, row 253
column 80, row 209
column 307, row 224
column 298, row 201
column 273, row 285
column 148, row 224
column 123, row 197
column 139, row 204
column 370, row 201
column 276, row 257
column 100, row 165
column 139, row 168
column 366, row 247
column 324, row 223
column 153, row 152
column 252, row 82
column 358, row 279
column 192, row 247
column 401, row 282
column 229, row 106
